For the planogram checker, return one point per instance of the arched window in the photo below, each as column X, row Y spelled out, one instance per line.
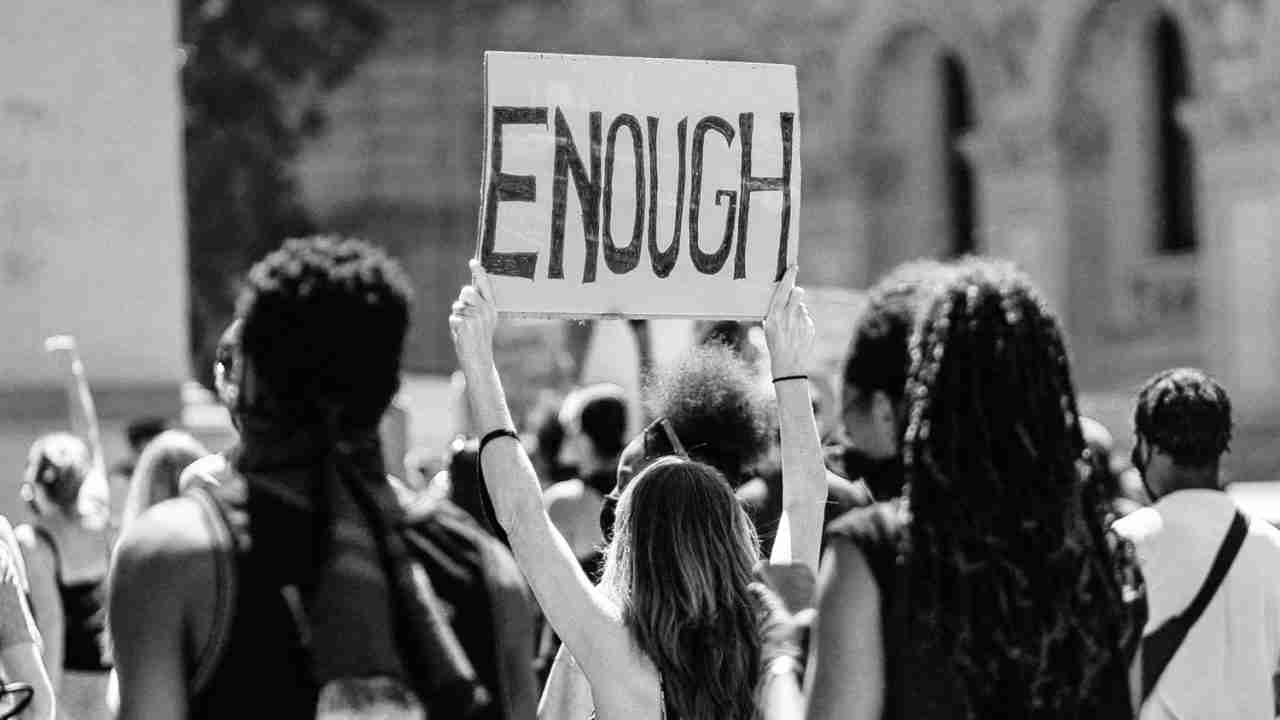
column 1175, row 203
column 958, row 120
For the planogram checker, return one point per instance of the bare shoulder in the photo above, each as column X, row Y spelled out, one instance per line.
column 169, row 546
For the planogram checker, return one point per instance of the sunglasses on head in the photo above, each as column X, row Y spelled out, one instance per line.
column 659, row 438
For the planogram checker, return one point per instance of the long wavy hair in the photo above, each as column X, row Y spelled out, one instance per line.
column 678, row 567
column 1013, row 574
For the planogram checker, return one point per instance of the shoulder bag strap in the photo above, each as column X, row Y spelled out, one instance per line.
column 1159, row 647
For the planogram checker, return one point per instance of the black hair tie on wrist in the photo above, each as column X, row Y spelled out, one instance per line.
column 790, row 377
column 494, row 435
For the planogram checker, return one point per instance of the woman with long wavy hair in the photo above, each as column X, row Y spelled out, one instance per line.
column 670, row 632
column 991, row 589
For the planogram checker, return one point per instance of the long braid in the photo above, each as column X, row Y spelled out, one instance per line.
column 1015, row 581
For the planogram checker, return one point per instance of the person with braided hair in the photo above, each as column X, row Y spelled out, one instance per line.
column 990, row 589
column 285, row 581
column 1212, row 573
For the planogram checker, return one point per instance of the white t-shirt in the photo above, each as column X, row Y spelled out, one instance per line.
column 1224, row 668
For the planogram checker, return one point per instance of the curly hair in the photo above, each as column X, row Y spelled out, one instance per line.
column 678, row 567
column 1016, row 581
column 718, row 411
column 1184, row 412
column 877, row 357
column 324, row 326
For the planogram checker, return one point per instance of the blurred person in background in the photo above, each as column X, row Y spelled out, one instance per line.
column 548, row 438
column 1102, row 478
column 158, row 472
column 138, row 432
column 595, row 422
column 464, row 483
column 873, row 391
column 870, row 424
column 67, row 547
column 986, row 590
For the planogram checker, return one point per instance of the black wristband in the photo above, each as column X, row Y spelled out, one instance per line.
column 790, row 377
column 494, row 435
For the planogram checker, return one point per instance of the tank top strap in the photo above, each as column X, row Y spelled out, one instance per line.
column 43, row 533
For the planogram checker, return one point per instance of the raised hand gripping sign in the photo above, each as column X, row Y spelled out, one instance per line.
column 638, row 187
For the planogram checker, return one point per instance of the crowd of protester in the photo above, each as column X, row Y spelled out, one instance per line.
column 959, row 542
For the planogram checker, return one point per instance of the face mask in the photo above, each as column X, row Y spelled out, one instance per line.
column 1139, row 463
column 883, row 476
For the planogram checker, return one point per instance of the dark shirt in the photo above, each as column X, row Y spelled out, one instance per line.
column 920, row 682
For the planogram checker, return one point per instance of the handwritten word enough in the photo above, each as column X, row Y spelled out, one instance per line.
column 593, row 183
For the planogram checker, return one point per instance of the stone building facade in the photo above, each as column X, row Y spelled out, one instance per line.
column 1125, row 152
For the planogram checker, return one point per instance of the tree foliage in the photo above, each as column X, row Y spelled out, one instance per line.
column 254, row 78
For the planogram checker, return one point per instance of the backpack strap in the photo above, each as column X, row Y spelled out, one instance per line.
column 1159, row 648
column 224, row 585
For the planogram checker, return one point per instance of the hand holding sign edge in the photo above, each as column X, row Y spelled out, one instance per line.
column 788, row 328
column 473, row 319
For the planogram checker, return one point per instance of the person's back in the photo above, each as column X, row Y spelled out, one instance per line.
column 988, row 589
column 1224, row 665
column 286, row 578
column 574, row 507
column 669, row 632
column 595, row 423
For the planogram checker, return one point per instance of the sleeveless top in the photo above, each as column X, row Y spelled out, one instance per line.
column 920, row 683
column 255, row 650
column 259, row 653
column 84, row 608
column 917, row 683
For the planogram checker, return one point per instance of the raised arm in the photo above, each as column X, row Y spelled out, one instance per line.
column 83, row 415
column 586, row 621
column 790, row 333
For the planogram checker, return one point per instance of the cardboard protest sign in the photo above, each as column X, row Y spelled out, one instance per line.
column 638, row 187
